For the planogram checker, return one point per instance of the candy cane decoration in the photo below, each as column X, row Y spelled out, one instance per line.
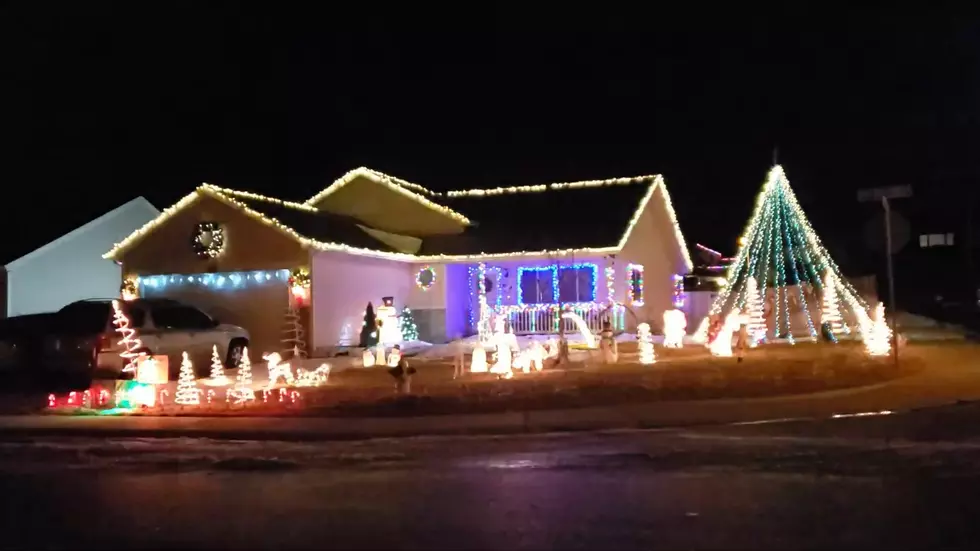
column 103, row 397
column 293, row 396
column 87, row 398
column 210, row 395
column 52, row 401
column 265, row 396
column 282, row 395
column 163, row 393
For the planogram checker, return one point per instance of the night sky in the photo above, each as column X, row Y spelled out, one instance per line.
column 104, row 104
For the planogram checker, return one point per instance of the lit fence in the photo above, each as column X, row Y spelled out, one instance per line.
column 543, row 318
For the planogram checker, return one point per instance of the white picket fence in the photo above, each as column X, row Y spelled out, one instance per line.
column 544, row 320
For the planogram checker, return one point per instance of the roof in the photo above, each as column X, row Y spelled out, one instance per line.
column 578, row 215
column 47, row 236
column 318, row 225
column 590, row 217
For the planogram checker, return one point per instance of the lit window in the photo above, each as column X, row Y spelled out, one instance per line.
column 923, row 241
column 936, row 239
column 577, row 283
column 634, row 273
column 949, row 239
column 536, row 285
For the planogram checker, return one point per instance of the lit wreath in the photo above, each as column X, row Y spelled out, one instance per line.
column 208, row 240
column 425, row 285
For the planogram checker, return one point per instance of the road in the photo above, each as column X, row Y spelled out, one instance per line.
column 875, row 482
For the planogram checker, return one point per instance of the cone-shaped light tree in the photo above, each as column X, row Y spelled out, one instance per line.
column 782, row 252
column 187, row 392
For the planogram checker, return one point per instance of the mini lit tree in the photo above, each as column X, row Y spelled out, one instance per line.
column 130, row 342
column 876, row 333
column 409, row 329
column 756, row 311
column 831, row 320
column 187, row 392
column 293, row 339
column 217, row 368
column 645, row 344
column 243, row 386
column 369, row 330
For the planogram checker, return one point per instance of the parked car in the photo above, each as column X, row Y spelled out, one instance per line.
column 85, row 337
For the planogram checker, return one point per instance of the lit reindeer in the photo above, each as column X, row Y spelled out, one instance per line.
column 278, row 370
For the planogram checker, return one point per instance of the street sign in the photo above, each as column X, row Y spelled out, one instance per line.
column 879, row 193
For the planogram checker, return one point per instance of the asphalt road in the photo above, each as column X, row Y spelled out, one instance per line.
column 886, row 482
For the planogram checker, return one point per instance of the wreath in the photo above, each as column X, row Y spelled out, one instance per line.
column 426, row 278
column 208, row 240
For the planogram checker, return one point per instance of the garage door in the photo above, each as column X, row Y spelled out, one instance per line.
column 258, row 307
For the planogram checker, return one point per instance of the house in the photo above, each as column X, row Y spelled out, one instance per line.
column 606, row 249
column 70, row 267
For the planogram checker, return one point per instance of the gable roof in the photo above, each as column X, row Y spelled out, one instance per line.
column 32, row 250
column 519, row 221
column 419, row 194
column 592, row 215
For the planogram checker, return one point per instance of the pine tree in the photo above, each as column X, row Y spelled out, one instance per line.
column 130, row 342
column 831, row 319
column 243, row 386
column 369, row 330
column 293, row 339
column 782, row 251
column 187, row 392
column 756, row 310
column 217, row 368
column 407, row 325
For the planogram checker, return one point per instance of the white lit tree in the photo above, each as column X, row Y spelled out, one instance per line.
column 756, row 312
column 645, row 344
column 187, row 392
column 876, row 334
column 831, row 318
column 217, row 368
column 242, row 390
column 130, row 342
column 781, row 251
column 293, row 339
column 409, row 329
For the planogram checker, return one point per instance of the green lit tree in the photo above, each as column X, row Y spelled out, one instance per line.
column 369, row 329
column 406, row 322
column 781, row 251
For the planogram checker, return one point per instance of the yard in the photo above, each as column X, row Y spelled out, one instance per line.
column 679, row 374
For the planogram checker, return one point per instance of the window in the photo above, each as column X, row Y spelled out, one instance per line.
column 936, row 240
column 180, row 317
column 577, row 283
column 634, row 274
column 536, row 285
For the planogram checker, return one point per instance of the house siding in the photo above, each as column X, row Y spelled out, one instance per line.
column 72, row 268
column 654, row 245
column 250, row 245
column 343, row 285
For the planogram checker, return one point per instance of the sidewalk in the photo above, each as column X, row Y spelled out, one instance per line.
column 934, row 387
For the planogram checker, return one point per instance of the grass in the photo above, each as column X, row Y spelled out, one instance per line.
column 679, row 374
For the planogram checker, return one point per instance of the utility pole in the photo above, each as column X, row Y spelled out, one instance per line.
column 883, row 194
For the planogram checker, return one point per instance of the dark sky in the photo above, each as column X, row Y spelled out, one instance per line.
column 105, row 103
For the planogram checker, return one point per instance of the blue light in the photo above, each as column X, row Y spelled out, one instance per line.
column 215, row 280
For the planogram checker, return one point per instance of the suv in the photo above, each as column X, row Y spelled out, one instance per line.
column 86, row 335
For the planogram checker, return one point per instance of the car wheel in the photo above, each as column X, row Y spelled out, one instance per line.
column 236, row 348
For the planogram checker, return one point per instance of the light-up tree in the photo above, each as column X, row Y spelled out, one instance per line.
column 293, row 340
column 782, row 252
column 644, row 344
column 830, row 318
column 242, row 390
column 217, row 368
column 409, row 329
column 756, row 311
column 130, row 342
column 876, row 334
column 187, row 392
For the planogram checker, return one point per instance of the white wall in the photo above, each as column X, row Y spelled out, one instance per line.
column 342, row 286
column 434, row 296
column 71, row 267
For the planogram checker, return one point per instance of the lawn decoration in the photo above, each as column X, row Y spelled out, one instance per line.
column 644, row 342
column 218, row 377
column 187, row 392
column 478, row 362
column 278, row 370
column 129, row 342
column 675, row 327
